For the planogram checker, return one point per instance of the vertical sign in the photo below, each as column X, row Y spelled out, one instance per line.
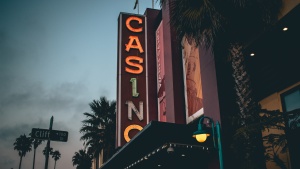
column 192, row 79
column 161, row 91
column 132, row 104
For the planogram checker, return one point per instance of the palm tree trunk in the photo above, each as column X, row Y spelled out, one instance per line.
column 252, row 144
column 20, row 161
column 33, row 158
column 247, row 104
column 97, row 161
column 55, row 164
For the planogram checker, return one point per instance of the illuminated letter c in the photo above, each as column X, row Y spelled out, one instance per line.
column 140, row 21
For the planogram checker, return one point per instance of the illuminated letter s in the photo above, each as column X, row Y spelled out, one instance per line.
column 129, row 61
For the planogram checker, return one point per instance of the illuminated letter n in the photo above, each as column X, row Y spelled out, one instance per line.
column 131, row 108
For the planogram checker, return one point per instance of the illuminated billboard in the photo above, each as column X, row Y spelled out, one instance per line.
column 132, row 103
column 192, row 79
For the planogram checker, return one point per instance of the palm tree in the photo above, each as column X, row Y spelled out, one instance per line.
column 23, row 144
column 56, row 156
column 50, row 151
column 226, row 26
column 82, row 160
column 99, row 128
column 36, row 143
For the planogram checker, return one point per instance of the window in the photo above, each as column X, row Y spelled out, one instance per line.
column 291, row 102
column 291, row 99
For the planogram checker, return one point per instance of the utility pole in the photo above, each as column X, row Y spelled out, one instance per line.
column 48, row 144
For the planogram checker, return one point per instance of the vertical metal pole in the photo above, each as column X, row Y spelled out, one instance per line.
column 48, row 144
column 219, row 144
column 152, row 4
column 210, row 120
column 213, row 131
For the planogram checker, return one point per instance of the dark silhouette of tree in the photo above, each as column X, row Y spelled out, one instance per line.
column 225, row 27
column 82, row 160
column 99, row 128
column 56, row 156
column 35, row 143
column 23, row 144
column 50, row 151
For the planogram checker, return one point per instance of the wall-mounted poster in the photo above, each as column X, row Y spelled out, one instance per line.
column 192, row 79
column 161, row 93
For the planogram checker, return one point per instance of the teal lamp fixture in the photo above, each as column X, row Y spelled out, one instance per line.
column 202, row 133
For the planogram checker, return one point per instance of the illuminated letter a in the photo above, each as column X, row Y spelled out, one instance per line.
column 131, row 45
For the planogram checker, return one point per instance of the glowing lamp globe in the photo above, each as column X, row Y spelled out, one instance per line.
column 201, row 137
column 201, row 134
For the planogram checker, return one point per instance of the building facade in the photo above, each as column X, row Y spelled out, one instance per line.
column 166, row 84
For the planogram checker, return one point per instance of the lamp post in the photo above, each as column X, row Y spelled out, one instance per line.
column 201, row 135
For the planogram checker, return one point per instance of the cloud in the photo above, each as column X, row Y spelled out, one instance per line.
column 21, row 101
column 24, row 106
column 52, row 63
column 6, row 161
column 27, row 101
column 7, row 134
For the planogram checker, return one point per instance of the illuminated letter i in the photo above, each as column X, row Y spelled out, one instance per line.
column 134, row 87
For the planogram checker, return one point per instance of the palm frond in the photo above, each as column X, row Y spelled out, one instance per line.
column 196, row 19
column 99, row 126
column 208, row 21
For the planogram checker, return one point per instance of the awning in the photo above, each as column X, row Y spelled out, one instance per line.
column 162, row 145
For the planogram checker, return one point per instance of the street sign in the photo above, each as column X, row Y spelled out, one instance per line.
column 57, row 135
column 45, row 134
column 42, row 134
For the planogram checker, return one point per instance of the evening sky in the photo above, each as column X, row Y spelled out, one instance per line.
column 56, row 57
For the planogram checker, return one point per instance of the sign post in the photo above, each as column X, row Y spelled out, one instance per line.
column 49, row 135
column 48, row 144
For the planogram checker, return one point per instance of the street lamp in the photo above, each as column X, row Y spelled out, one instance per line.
column 201, row 134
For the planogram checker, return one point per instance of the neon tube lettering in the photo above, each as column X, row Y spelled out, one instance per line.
column 133, row 18
column 129, row 61
column 131, row 107
column 134, row 87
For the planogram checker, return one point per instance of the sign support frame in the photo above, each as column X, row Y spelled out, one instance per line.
column 48, row 144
